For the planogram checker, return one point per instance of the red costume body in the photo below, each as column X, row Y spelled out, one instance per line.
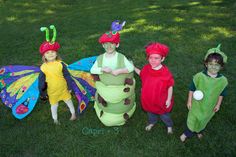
column 155, row 84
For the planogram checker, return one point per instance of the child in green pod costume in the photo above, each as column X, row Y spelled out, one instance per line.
column 213, row 86
column 114, row 100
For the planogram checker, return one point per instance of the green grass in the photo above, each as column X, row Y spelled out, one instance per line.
column 189, row 28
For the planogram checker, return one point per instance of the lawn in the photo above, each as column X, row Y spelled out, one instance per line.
column 188, row 27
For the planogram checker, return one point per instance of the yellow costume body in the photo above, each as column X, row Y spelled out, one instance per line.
column 56, row 84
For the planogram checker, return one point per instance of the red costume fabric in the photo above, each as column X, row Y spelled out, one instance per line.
column 112, row 37
column 46, row 46
column 157, row 48
column 154, row 92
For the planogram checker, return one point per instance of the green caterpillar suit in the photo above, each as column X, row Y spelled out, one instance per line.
column 115, row 96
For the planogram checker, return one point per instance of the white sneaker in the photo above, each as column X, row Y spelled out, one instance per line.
column 56, row 122
column 73, row 117
column 149, row 127
column 183, row 137
column 199, row 136
column 169, row 130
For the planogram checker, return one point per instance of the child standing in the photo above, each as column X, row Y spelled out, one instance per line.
column 157, row 86
column 213, row 86
column 115, row 96
column 54, row 76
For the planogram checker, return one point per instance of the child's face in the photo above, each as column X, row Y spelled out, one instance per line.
column 213, row 67
column 109, row 47
column 155, row 60
column 50, row 55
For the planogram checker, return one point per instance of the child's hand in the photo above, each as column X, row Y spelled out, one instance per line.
column 189, row 105
column 115, row 72
column 217, row 108
column 106, row 69
column 168, row 102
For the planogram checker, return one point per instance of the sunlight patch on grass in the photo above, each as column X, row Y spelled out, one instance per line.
column 208, row 37
column 193, row 3
column 11, row 18
column 152, row 28
column 49, row 11
column 223, row 31
column 94, row 36
column 178, row 19
column 153, row 7
column 31, row 11
column 197, row 20
column 173, row 30
column 216, row 1
column 140, row 22
column 128, row 30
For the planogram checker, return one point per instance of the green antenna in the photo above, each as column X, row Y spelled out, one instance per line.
column 54, row 33
column 47, row 32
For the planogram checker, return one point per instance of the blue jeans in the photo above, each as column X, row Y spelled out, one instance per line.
column 190, row 133
column 152, row 118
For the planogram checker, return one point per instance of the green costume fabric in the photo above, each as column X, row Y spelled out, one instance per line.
column 111, row 89
column 201, row 111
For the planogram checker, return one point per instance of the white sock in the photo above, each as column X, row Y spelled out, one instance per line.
column 69, row 103
column 54, row 111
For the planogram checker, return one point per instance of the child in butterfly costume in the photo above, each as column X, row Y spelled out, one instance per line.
column 21, row 85
column 115, row 96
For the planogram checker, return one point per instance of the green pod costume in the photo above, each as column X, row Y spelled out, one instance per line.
column 119, row 97
column 201, row 111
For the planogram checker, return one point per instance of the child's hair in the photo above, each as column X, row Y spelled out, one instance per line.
column 45, row 60
column 215, row 56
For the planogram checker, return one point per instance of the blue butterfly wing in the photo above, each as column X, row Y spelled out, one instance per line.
column 83, row 90
column 26, row 103
column 84, row 64
column 16, row 83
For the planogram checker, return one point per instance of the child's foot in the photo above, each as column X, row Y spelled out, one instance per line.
column 199, row 136
column 149, row 127
column 169, row 130
column 73, row 117
column 183, row 138
column 56, row 122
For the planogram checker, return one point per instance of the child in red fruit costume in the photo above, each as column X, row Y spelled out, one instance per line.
column 157, row 86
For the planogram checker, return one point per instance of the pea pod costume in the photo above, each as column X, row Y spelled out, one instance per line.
column 115, row 96
column 202, row 111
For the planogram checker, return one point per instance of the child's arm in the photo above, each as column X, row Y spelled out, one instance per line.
column 217, row 107
column 190, row 97
column 42, row 86
column 67, row 76
column 170, row 93
column 97, row 70
column 129, row 67
column 137, row 70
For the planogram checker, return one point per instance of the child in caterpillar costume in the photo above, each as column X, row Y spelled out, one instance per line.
column 213, row 86
column 157, row 86
column 115, row 84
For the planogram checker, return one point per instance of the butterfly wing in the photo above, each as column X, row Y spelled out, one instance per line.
column 83, row 83
column 19, row 88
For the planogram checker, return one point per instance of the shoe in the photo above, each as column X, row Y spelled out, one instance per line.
column 149, row 127
column 73, row 117
column 56, row 122
column 199, row 136
column 183, row 138
column 169, row 130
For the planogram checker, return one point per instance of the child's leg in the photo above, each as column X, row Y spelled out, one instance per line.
column 54, row 113
column 69, row 103
column 152, row 119
column 168, row 122
column 187, row 134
